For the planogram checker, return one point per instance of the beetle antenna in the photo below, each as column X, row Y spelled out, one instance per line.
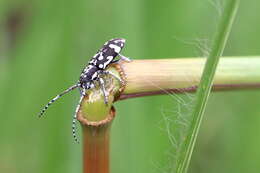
column 57, row 97
column 75, row 117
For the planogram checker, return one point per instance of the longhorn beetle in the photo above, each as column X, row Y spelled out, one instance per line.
column 92, row 72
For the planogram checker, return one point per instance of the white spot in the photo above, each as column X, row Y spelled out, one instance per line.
column 87, row 68
column 100, row 65
column 109, row 59
column 115, row 47
column 95, row 56
column 92, row 61
column 120, row 40
column 117, row 41
column 123, row 40
column 100, row 57
column 94, row 76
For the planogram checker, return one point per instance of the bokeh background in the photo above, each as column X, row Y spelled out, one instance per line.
column 45, row 44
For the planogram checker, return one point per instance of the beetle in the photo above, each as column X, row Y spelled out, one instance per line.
column 93, row 72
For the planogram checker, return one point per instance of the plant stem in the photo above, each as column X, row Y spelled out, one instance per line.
column 205, row 85
column 154, row 77
column 96, row 117
column 96, row 146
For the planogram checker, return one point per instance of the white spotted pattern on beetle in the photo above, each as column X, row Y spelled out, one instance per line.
column 92, row 72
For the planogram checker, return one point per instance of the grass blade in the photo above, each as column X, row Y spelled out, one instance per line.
column 205, row 85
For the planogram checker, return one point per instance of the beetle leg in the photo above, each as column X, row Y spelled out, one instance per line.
column 112, row 74
column 102, row 84
column 124, row 58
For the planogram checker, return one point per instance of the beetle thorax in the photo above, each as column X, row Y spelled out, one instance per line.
column 88, row 75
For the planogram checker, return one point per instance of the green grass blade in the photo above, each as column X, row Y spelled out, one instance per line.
column 205, row 85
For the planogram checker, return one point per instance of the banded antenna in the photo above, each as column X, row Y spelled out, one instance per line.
column 75, row 118
column 57, row 97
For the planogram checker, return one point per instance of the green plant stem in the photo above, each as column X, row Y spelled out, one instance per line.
column 153, row 77
column 96, row 118
column 205, row 85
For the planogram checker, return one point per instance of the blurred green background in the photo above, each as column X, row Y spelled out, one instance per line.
column 45, row 44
